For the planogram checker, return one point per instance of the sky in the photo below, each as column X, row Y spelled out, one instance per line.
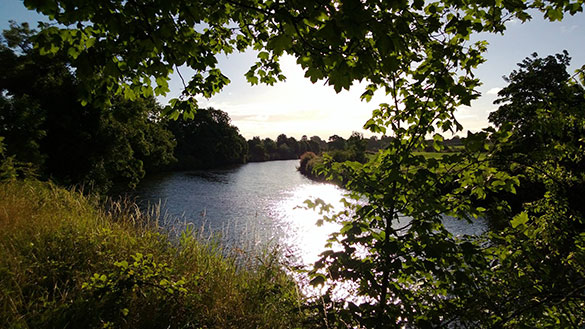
column 298, row 107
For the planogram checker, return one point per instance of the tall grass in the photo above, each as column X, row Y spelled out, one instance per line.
column 71, row 261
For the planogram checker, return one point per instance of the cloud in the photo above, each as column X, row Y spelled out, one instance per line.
column 494, row 91
column 569, row 29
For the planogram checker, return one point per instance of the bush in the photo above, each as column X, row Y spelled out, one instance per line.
column 305, row 158
column 308, row 165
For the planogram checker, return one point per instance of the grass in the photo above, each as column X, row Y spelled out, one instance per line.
column 68, row 263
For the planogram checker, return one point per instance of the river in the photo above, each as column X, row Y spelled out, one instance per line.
column 256, row 204
column 249, row 205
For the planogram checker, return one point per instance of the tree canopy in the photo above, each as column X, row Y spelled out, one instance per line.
column 131, row 47
column 209, row 140
column 44, row 123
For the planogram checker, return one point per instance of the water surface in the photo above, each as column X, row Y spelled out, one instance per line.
column 257, row 204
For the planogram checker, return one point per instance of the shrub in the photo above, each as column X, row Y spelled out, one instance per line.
column 305, row 158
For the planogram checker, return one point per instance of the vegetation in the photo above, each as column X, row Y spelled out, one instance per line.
column 543, row 108
column 361, row 150
column 289, row 148
column 68, row 263
column 208, row 141
column 404, row 267
column 44, row 123
column 308, row 163
column 285, row 148
column 529, row 268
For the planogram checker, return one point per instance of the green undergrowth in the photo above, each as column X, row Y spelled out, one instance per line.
column 68, row 263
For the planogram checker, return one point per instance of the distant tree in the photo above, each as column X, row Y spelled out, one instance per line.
column 314, row 147
column 271, row 148
column 372, row 144
column 356, row 146
column 321, row 143
column 256, row 150
column 303, row 146
column 285, row 152
column 281, row 139
column 454, row 141
column 336, row 143
column 294, row 146
column 208, row 140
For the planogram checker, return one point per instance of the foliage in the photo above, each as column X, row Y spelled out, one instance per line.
column 45, row 124
column 256, row 150
column 542, row 104
column 208, row 140
column 529, row 272
column 131, row 48
column 308, row 165
column 543, row 108
column 66, row 262
column 10, row 168
column 356, row 145
column 284, row 148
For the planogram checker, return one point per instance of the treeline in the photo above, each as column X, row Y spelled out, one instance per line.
column 285, row 148
column 46, row 126
column 357, row 148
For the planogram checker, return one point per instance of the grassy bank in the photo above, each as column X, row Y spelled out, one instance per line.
column 66, row 263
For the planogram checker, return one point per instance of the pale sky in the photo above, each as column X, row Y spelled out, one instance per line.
column 297, row 107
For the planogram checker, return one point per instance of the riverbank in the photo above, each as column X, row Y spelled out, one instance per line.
column 67, row 262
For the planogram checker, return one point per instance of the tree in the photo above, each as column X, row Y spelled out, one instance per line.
column 543, row 108
column 356, row 145
column 45, row 124
column 256, row 150
column 412, row 273
column 271, row 148
column 542, row 111
column 294, row 146
column 542, row 104
column 336, row 143
column 207, row 141
column 281, row 139
column 318, row 144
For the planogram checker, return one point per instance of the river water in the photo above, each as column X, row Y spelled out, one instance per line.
column 249, row 205
column 256, row 204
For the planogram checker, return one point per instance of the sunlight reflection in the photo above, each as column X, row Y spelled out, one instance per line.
column 302, row 236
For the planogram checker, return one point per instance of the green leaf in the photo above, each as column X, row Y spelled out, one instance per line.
column 318, row 280
column 554, row 14
column 263, row 55
column 280, row 43
column 519, row 219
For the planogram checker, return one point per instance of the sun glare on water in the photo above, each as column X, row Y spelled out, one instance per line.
column 302, row 236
